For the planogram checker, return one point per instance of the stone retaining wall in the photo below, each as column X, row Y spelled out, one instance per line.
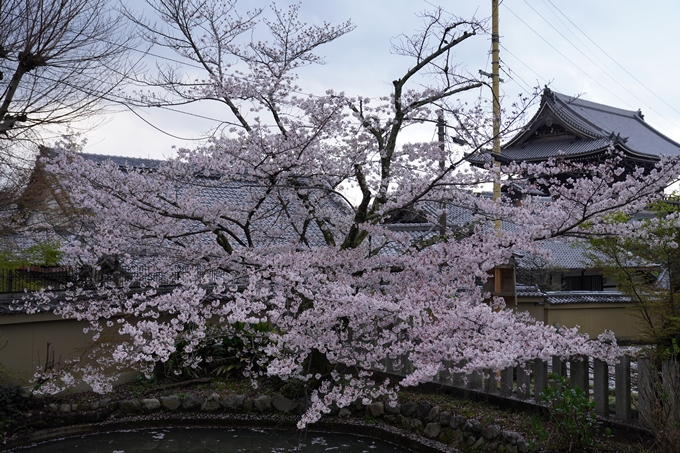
column 424, row 419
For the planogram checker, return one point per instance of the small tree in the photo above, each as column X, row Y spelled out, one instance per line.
column 646, row 266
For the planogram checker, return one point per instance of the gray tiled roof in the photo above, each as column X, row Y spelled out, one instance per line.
column 564, row 255
column 591, row 127
column 545, row 149
column 585, row 297
column 528, row 291
column 641, row 137
column 267, row 227
column 123, row 161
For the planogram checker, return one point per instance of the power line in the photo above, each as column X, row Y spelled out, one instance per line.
column 511, row 76
column 525, row 65
column 159, row 129
column 604, row 71
column 566, row 58
column 614, row 60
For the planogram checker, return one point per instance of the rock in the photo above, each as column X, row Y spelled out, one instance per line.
column 511, row 449
column 104, row 402
column 445, row 418
column 285, row 405
column 304, row 403
column 63, row 408
column 457, row 421
column 53, row 407
column 478, row 443
column 376, row 409
column 511, row 437
column 94, row 406
column 129, row 405
column 458, row 436
column 171, row 402
column 451, row 436
column 233, row 402
column 393, row 410
column 491, row 432
column 190, row 402
column 344, row 413
column 408, row 409
column 150, row 404
column 248, row 404
column 413, row 424
column 74, row 407
column 211, row 403
column 473, row 426
column 522, row 446
column 263, row 403
column 433, row 415
column 432, row 430
column 423, row 411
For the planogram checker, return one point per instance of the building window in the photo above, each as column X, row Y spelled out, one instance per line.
column 582, row 283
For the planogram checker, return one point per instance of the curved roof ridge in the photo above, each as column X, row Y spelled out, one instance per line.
column 576, row 100
column 571, row 117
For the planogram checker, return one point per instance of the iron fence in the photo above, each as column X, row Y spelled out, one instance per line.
column 35, row 278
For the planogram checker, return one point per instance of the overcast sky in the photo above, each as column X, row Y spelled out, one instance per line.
column 618, row 52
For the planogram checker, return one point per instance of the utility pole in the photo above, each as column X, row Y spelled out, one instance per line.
column 441, row 131
column 495, row 88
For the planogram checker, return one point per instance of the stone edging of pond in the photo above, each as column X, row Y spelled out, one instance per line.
column 424, row 428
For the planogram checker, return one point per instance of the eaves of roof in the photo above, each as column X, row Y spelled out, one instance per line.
column 596, row 125
column 586, row 297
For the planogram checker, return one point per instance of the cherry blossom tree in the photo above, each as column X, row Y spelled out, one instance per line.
column 273, row 251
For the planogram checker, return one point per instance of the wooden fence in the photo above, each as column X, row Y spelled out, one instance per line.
column 621, row 383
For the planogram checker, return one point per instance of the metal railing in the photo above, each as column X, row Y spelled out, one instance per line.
column 35, row 278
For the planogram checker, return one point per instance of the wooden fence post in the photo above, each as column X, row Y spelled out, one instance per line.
column 559, row 366
column 490, row 382
column 507, row 375
column 670, row 374
column 523, row 381
column 447, row 378
column 601, row 387
column 578, row 373
column 645, row 391
column 458, row 379
column 474, row 381
column 622, row 389
column 540, row 378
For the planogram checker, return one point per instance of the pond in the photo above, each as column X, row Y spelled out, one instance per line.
column 215, row 440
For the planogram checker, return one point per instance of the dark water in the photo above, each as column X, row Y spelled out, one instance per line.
column 214, row 440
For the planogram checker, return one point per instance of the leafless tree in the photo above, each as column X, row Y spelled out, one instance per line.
column 60, row 60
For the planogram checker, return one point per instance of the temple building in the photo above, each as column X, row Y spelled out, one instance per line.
column 580, row 130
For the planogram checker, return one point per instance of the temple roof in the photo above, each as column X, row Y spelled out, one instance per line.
column 581, row 129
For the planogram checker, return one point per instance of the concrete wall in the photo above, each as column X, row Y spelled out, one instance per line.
column 593, row 319
column 26, row 338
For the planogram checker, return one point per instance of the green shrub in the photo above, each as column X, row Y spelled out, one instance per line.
column 572, row 413
column 11, row 403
